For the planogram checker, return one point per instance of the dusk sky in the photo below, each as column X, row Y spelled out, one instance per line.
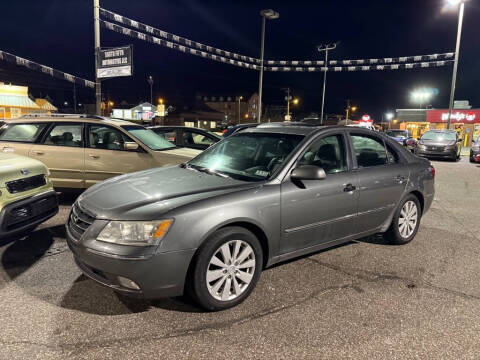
column 59, row 33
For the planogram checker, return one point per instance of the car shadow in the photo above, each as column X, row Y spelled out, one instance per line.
column 23, row 253
column 88, row 296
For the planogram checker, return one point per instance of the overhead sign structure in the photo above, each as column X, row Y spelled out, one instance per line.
column 115, row 62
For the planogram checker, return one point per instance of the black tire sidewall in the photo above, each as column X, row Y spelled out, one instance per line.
column 393, row 232
column 202, row 260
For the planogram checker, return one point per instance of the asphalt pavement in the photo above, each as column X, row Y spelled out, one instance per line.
column 363, row 300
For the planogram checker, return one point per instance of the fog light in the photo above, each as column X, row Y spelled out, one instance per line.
column 130, row 284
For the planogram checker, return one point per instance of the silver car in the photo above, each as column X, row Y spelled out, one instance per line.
column 209, row 226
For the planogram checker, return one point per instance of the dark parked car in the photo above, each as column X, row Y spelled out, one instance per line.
column 475, row 151
column 183, row 136
column 439, row 144
column 236, row 128
column 403, row 137
column 260, row 197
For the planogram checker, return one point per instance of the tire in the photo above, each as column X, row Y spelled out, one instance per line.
column 472, row 160
column 398, row 235
column 230, row 283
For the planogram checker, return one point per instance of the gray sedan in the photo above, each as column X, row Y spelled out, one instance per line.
column 209, row 227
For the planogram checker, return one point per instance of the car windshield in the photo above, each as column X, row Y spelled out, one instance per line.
column 394, row 133
column 439, row 136
column 247, row 156
column 149, row 138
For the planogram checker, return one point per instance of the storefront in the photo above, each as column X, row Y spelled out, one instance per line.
column 465, row 122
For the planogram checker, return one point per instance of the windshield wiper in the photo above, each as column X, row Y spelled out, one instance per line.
column 206, row 170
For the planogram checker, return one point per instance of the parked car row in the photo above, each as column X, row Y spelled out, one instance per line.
column 208, row 226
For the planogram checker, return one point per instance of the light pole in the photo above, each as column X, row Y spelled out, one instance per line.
column 150, row 81
column 325, row 48
column 389, row 116
column 270, row 15
column 349, row 108
column 98, row 85
column 239, row 116
column 457, row 53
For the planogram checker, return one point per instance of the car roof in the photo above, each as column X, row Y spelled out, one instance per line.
column 294, row 128
column 70, row 118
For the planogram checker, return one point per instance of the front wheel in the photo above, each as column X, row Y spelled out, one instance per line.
column 405, row 222
column 226, row 269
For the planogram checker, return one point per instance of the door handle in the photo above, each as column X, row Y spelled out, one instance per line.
column 400, row 179
column 94, row 156
column 38, row 152
column 349, row 188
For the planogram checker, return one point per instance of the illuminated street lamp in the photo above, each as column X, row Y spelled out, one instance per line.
column 270, row 15
column 454, row 3
column 421, row 96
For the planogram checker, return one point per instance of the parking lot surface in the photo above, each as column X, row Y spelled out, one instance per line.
column 362, row 300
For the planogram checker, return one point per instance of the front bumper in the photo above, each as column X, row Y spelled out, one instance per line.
column 447, row 154
column 157, row 275
column 19, row 216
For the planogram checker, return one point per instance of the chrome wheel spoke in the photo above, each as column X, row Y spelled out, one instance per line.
column 217, row 286
column 227, row 256
column 244, row 276
column 213, row 275
column 247, row 264
column 226, row 289
column 244, row 254
column 236, row 286
column 216, row 261
column 236, row 249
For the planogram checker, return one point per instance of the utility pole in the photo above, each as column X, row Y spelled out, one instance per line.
column 288, row 103
column 96, row 27
column 325, row 48
column 270, row 15
column 455, row 66
column 150, row 81
column 239, row 110
column 348, row 110
column 74, row 98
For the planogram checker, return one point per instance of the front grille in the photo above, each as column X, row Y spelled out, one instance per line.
column 78, row 222
column 26, row 184
column 21, row 215
column 435, row 148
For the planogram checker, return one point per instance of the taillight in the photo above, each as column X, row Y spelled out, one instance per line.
column 432, row 170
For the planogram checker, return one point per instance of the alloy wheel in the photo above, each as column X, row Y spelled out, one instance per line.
column 408, row 219
column 230, row 270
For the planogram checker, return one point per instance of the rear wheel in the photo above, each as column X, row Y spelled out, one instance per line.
column 405, row 222
column 226, row 269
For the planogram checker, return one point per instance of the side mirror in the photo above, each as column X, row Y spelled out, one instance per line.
column 308, row 172
column 131, row 146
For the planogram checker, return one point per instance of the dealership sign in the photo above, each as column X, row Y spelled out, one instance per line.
column 115, row 62
column 458, row 116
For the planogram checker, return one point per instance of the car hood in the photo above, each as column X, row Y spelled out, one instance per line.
column 437, row 143
column 147, row 194
column 11, row 167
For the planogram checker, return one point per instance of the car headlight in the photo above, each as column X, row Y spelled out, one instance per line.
column 135, row 233
column 422, row 147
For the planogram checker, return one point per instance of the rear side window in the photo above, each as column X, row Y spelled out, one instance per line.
column 370, row 151
column 22, row 132
column 70, row 135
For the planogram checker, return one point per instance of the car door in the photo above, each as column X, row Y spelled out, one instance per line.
column 320, row 211
column 194, row 139
column 62, row 150
column 106, row 156
column 382, row 174
column 20, row 137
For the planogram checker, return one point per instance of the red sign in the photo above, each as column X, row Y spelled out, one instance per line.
column 458, row 116
column 366, row 118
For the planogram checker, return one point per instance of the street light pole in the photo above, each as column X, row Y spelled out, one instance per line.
column 325, row 48
column 150, row 81
column 455, row 66
column 271, row 15
column 239, row 116
column 98, row 85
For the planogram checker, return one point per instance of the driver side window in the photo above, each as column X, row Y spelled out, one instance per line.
column 327, row 153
